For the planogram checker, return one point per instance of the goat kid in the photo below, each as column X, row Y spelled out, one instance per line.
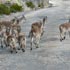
column 22, row 41
column 11, row 41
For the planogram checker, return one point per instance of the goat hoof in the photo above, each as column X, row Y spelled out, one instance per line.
column 23, row 50
column 30, row 48
column 16, row 51
column 11, row 51
column 64, row 38
column 18, row 48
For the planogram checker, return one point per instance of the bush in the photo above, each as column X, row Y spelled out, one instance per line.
column 30, row 4
column 4, row 9
column 15, row 8
column 41, row 5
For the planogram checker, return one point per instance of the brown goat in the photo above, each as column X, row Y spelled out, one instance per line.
column 63, row 29
column 37, row 30
column 22, row 41
column 11, row 41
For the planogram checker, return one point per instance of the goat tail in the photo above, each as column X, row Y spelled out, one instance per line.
column 60, row 28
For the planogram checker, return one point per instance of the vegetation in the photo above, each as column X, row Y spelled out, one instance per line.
column 30, row 4
column 5, row 9
column 40, row 5
column 15, row 8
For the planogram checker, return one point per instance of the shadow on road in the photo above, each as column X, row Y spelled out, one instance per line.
column 50, row 39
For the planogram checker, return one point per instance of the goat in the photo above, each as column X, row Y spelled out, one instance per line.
column 63, row 28
column 22, row 41
column 11, row 41
column 37, row 30
column 6, row 28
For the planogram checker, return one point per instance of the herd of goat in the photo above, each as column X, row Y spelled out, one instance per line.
column 10, row 33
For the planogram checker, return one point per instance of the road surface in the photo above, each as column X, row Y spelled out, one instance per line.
column 52, row 54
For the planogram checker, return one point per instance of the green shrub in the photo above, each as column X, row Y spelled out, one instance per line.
column 40, row 5
column 15, row 8
column 4, row 9
column 30, row 4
